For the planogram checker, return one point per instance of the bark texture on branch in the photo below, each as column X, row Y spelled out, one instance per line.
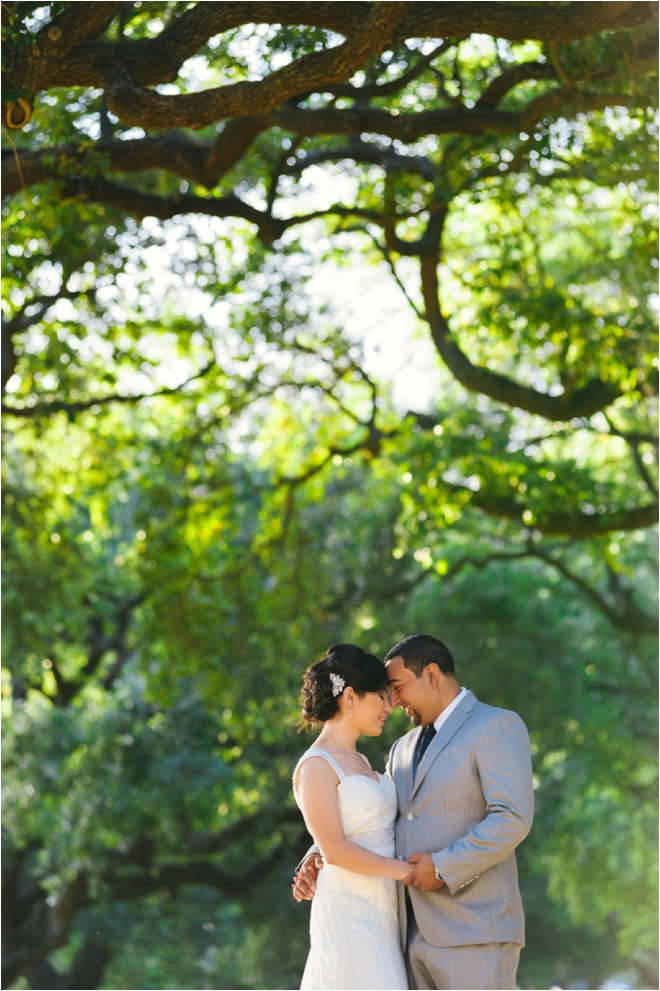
column 66, row 53
column 205, row 162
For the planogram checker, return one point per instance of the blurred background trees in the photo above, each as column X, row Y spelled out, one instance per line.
column 213, row 469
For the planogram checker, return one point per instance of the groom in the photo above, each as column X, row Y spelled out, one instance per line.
column 464, row 784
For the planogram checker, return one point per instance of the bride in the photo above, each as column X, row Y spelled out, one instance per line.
column 350, row 809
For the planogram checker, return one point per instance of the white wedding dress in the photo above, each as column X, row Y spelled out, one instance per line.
column 354, row 927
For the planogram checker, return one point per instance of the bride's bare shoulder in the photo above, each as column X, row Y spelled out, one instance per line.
column 314, row 767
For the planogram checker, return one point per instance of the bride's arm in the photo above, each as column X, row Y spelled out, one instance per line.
column 317, row 795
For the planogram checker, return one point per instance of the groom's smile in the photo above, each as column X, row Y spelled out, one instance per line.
column 412, row 714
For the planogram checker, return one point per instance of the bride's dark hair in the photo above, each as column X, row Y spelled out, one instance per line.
column 360, row 671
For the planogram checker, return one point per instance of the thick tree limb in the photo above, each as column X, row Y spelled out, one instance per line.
column 65, row 55
column 580, row 525
column 36, row 928
column 206, row 162
column 145, row 108
column 152, row 61
column 208, row 843
column 403, row 127
column 200, row 162
column 26, row 69
column 141, row 204
column 584, row 401
column 86, row 971
column 625, row 614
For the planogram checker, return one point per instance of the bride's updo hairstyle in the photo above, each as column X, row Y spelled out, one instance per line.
column 360, row 671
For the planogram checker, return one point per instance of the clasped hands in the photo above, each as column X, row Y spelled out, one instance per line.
column 422, row 876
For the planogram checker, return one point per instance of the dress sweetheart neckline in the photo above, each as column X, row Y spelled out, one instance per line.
column 376, row 780
column 367, row 777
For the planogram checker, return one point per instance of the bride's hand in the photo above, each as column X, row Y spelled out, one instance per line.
column 411, row 871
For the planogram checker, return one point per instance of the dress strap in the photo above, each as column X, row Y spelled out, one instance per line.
column 317, row 752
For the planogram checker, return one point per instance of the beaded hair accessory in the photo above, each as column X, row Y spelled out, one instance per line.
column 338, row 684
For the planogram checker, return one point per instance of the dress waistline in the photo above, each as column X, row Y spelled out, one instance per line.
column 387, row 831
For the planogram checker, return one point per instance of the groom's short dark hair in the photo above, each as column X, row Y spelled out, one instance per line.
column 421, row 649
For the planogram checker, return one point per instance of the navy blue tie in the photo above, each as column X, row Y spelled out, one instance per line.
column 422, row 745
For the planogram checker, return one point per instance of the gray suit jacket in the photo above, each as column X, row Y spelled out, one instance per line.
column 470, row 805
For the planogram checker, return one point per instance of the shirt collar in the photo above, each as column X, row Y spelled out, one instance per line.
column 446, row 713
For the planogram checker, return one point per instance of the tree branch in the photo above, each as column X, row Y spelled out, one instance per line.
column 71, row 408
column 499, row 87
column 578, row 525
column 208, row 843
column 66, row 55
column 99, row 644
column 21, row 320
column 26, row 69
column 584, row 401
column 141, row 107
column 140, row 204
column 626, row 616
column 395, row 85
column 36, row 927
column 126, row 887
column 634, row 440
column 86, row 971
column 206, row 162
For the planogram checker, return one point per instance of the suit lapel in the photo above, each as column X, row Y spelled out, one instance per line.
column 441, row 739
column 410, row 743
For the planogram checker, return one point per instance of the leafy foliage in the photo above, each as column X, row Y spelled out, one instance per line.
column 209, row 476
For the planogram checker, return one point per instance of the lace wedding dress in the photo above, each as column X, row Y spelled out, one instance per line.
column 354, row 927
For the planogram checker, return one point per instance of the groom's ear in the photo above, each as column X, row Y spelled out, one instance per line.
column 433, row 674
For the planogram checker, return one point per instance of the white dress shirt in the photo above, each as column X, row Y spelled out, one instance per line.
column 446, row 713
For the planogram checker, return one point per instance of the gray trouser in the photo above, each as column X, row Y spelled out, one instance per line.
column 482, row 967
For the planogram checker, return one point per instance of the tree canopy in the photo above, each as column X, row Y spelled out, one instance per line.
column 207, row 480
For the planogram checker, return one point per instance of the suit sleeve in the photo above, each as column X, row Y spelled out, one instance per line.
column 312, row 849
column 504, row 766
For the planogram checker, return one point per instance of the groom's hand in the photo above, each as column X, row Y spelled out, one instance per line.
column 423, row 874
column 304, row 883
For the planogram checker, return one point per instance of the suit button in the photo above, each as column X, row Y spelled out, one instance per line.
column 410, row 817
